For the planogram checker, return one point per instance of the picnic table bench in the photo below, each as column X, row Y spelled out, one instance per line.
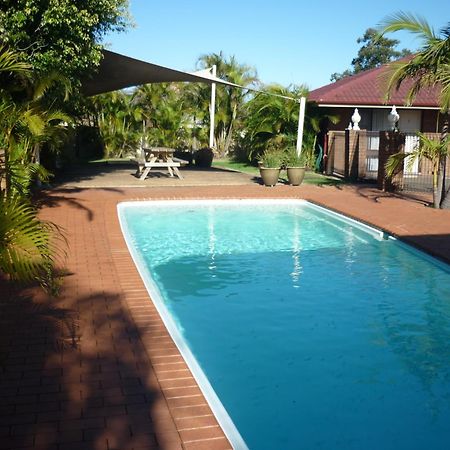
column 159, row 157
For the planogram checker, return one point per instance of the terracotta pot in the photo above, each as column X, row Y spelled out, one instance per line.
column 296, row 175
column 269, row 175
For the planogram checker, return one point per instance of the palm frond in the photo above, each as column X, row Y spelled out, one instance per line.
column 10, row 61
column 29, row 247
column 394, row 164
column 406, row 21
column 47, row 82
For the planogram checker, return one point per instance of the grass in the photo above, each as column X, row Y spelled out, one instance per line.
column 237, row 166
column 310, row 177
column 109, row 161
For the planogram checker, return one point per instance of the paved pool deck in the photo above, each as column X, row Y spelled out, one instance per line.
column 95, row 368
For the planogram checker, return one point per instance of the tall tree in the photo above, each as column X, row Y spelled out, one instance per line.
column 374, row 52
column 272, row 120
column 119, row 123
column 229, row 100
column 429, row 67
column 164, row 114
column 64, row 35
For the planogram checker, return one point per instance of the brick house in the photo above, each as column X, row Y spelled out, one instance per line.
column 358, row 154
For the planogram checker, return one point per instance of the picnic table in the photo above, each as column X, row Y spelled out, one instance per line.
column 159, row 157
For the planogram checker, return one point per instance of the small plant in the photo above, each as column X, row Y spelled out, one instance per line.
column 292, row 159
column 272, row 158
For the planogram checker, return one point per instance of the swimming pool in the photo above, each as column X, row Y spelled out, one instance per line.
column 313, row 330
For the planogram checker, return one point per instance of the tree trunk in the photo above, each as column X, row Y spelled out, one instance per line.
column 438, row 182
column 228, row 140
column 445, row 191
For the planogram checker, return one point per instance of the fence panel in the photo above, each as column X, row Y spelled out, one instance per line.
column 419, row 178
column 373, row 145
column 336, row 150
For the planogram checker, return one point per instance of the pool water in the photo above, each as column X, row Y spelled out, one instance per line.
column 314, row 331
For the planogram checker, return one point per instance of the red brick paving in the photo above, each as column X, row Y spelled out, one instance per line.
column 123, row 384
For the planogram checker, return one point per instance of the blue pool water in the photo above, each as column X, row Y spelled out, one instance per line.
column 314, row 332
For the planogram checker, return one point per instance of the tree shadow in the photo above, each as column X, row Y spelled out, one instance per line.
column 371, row 192
column 73, row 375
column 90, row 171
column 58, row 197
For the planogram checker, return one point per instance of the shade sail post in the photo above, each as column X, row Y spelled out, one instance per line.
column 212, row 108
column 301, row 123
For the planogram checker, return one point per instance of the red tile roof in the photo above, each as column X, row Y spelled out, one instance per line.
column 368, row 88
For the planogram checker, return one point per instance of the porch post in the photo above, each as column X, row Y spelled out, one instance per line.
column 301, row 121
column 212, row 109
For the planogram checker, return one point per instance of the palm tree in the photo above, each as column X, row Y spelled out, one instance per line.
column 430, row 66
column 273, row 118
column 119, row 122
column 28, row 247
column 164, row 114
column 26, row 127
column 229, row 100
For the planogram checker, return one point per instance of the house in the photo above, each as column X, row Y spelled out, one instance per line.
column 366, row 91
column 357, row 154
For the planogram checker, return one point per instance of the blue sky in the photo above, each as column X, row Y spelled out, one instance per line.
column 287, row 41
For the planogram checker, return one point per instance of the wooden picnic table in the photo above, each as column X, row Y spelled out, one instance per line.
column 160, row 157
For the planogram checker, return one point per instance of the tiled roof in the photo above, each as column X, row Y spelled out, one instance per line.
column 368, row 88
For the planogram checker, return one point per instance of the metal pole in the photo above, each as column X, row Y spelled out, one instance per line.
column 212, row 108
column 301, row 121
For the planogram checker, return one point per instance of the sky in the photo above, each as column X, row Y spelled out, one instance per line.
column 287, row 41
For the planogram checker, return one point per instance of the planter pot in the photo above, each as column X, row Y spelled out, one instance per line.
column 204, row 157
column 296, row 175
column 269, row 175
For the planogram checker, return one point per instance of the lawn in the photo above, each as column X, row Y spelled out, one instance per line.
column 310, row 176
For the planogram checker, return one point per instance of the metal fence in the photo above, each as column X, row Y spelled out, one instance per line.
column 417, row 175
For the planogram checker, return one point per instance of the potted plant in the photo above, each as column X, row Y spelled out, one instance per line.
column 270, row 166
column 295, row 167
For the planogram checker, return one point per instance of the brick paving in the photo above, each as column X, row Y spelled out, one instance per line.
column 95, row 368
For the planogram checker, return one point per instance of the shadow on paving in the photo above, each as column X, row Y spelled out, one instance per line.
column 91, row 171
column 58, row 197
column 72, row 378
column 371, row 192
column 437, row 245
column 125, row 173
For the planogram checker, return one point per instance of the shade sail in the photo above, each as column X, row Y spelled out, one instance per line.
column 117, row 71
